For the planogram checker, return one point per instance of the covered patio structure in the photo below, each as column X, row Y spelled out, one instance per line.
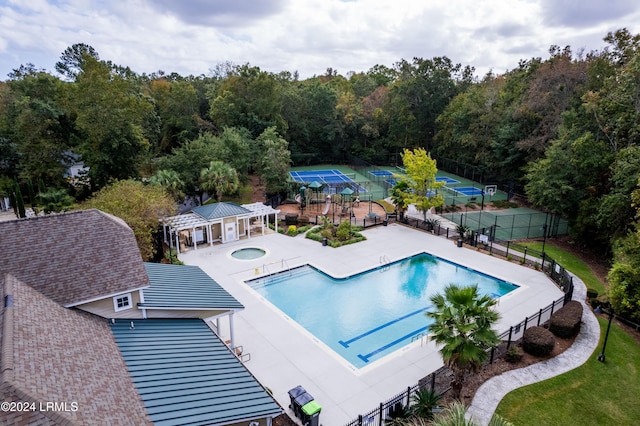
column 219, row 222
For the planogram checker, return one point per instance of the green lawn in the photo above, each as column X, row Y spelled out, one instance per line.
column 595, row 393
column 571, row 263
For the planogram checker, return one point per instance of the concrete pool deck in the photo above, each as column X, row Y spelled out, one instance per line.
column 283, row 355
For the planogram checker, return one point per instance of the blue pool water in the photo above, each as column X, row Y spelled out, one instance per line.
column 369, row 315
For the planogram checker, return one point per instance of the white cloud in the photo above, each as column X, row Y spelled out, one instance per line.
column 192, row 36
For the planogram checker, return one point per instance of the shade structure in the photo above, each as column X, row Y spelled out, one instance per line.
column 315, row 185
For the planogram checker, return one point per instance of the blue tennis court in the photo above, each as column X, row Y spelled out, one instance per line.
column 381, row 173
column 446, row 179
column 324, row 176
column 330, row 177
column 468, row 191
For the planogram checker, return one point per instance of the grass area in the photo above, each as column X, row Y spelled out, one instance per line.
column 594, row 394
column 571, row 263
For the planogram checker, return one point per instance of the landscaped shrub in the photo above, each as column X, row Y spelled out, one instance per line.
column 514, row 354
column 538, row 341
column 344, row 231
column 504, row 204
column 566, row 321
column 292, row 230
column 432, row 223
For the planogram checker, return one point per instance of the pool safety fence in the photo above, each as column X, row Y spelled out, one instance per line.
column 439, row 381
column 507, row 249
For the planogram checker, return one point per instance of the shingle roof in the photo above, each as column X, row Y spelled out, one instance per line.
column 181, row 286
column 187, row 376
column 220, row 210
column 64, row 257
column 51, row 353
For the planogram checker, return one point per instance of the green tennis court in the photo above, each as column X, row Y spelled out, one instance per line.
column 511, row 224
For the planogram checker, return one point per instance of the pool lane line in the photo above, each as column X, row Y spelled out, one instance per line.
column 366, row 357
column 380, row 327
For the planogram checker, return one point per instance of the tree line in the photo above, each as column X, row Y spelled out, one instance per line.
column 563, row 128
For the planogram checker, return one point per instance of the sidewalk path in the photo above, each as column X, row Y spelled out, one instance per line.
column 491, row 392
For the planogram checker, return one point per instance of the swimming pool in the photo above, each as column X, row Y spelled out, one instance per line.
column 367, row 316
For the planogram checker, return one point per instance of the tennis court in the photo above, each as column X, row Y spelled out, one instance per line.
column 511, row 224
column 446, row 179
column 330, row 177
column 468, row 191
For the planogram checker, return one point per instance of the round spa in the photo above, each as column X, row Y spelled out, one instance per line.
column 248, row 253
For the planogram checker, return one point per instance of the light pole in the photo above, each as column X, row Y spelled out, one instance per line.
column 544, row 233
column 599, row 310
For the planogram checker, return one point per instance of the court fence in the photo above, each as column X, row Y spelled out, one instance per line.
column 510, row 226
column 381, row 177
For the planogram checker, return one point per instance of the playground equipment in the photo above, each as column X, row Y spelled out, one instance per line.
column 327, row 206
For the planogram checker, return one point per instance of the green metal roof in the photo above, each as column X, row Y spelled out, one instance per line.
column 187, row 376
column 181, row 286
column 220, row 210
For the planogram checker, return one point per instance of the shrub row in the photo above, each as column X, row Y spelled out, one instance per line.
column 564, row 323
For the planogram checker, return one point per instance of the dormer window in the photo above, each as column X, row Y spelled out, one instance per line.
column 122, row 302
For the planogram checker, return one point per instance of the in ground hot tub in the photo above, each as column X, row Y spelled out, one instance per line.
column 248, row 253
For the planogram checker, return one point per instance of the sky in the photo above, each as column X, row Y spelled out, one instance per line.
column 191, row 37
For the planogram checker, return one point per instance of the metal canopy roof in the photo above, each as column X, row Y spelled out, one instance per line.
column 260, row 209
column 220, row 210
column 187, row 376
column 205, row 215
column 181, row 286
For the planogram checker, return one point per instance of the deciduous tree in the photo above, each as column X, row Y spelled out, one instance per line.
column 275, row 160
column 140, row 206
column 421, row 171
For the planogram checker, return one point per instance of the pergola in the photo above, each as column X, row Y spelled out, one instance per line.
column 198, row 225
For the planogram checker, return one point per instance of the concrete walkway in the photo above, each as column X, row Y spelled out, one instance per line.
column 491, row 392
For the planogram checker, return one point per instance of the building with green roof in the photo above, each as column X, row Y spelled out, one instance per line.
column 187, row 376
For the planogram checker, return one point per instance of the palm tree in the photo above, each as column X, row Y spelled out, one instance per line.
column 424, row 401
column 219, row 178
column 462, row 324
column 170, row 181
column 454, row 415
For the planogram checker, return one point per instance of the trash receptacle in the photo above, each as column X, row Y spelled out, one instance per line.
column 311, row 413
column 460, row 243
column 299, row 397
column 294, row 393
column 324, row 241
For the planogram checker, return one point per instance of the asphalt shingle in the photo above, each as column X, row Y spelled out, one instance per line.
column 73, row 257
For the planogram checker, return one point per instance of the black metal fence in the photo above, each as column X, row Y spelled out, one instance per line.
column 439, row 380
